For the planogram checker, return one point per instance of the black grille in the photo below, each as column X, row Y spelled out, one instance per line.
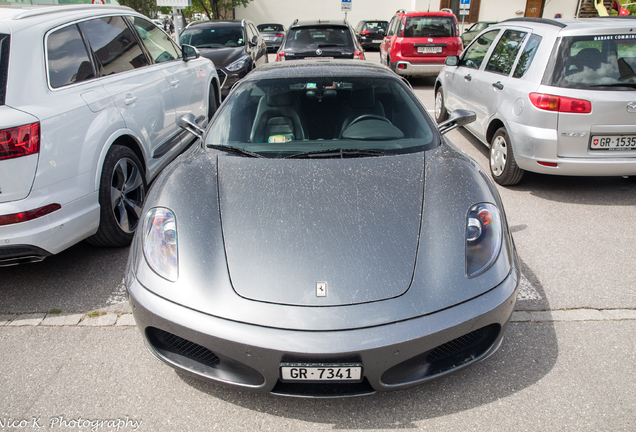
column 324, row 390
column 169, row 342
column 462, row 344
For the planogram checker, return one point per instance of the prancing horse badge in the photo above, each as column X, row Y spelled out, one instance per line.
column 321, row 289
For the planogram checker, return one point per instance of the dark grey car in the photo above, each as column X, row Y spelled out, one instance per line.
column 324, row 240
column 235, row 47
column 273, row 35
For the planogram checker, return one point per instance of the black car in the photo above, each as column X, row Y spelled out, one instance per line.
column 371, row 33
column 235, row 47
column 273, row 35
column 320, row 39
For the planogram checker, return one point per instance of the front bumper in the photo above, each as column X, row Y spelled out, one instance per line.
column 396, row 355
column 406, row 68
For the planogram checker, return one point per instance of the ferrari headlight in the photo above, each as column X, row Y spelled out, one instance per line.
column 159, row 238
column 238, row 64
column 483, row 238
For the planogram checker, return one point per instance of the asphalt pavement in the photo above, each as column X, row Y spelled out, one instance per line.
column 72, row 359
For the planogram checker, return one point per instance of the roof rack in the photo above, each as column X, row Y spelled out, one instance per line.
column 51, row 10
column 538, row 20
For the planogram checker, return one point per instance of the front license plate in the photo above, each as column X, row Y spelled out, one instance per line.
column 614, row 142
column 333, row 372
column 429, row 50
column 376, row 41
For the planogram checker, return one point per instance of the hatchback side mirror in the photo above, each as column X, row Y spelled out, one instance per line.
column 452, row 60
column 190, row 52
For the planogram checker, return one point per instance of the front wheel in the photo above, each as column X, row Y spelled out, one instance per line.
column 122, row 193
column 441, row 114
column 503, row 167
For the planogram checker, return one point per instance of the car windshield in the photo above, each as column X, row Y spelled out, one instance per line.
column 319, row 36
column 212, row 37
column 429, row 27
column 595, row 62
column 329, row 116
column 376, row 25
column 270, row 28
column 4, row 65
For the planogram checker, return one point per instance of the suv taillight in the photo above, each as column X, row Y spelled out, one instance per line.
column 560, row 103
column 19, row 141
column 280, row 35
column 28, row 215
column 280, row 56
column 358, row 55
column 365, row 32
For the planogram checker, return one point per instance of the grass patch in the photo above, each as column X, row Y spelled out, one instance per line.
column 95, row 314
column 55, row 311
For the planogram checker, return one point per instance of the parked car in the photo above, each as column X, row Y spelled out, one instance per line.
column 320, row 39
column 273, row 35
column 551, row 96
column 330, row 273
column 96, row 123
column 417, row 43
column 371, row 33
column 472, row 31
column 235, row 47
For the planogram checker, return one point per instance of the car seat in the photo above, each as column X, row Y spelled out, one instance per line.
column 362, row 101
column 278, row 113
column 588, row 57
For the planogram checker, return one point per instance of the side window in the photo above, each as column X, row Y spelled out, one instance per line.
column 505, row 53
column 158, row 44
column 527, row 55
column 476, row 51
column 393, row 26
column 249, row 33
column 67, row 58
column 114, row 44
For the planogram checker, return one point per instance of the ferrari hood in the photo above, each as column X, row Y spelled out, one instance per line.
column 321, row 232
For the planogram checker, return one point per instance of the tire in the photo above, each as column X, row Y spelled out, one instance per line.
column 122, row 192
column 441, row 114
column 212, row 105
column 503, row 167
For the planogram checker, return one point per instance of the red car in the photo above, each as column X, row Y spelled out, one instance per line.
column 417, row 43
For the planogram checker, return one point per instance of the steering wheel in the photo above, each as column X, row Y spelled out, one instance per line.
column 369, row 117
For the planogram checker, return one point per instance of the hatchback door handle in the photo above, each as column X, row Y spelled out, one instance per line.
column 130, row 100
column 498, row 85
column 174, row 82
column 468, row 77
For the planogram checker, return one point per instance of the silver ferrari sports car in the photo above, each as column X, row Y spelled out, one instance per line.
column 322, row 239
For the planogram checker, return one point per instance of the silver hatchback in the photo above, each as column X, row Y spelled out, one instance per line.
column 551, row 96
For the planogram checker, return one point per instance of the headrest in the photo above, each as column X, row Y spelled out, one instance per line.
column 362, row 98
column 279, row 97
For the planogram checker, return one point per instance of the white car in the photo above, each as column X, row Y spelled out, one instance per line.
column 89, row 98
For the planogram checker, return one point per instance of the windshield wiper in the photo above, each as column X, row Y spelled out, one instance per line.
column 336, row 153
column 236, row 150
column 625, row 84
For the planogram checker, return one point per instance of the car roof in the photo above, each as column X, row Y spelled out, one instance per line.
column 576, row 26
column 224, row 23
column 19, row 17
column 323, row 67
column 417, row 13
column 319, row 22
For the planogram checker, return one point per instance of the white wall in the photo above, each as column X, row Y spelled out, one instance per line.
column 286, row 11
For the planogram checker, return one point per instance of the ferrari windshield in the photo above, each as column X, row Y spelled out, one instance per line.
column 322, row 116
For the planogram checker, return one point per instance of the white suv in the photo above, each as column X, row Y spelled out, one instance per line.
column 89, row 98
column 551, row 96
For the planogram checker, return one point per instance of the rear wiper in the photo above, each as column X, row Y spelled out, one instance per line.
column 627, row 84
column 336, row 153
column 328, row 45
column 232, row 149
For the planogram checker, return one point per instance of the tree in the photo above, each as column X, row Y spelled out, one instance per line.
column 217, row 9
column 146, row 7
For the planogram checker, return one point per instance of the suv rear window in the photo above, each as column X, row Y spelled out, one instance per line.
column 375, row 25
column 4, row 65
column 429, row 27
column 595, row 62
column 319, row 36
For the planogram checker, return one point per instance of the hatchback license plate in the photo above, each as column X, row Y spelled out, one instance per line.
column 333, row 372
column 614, row 142
column 429, row 50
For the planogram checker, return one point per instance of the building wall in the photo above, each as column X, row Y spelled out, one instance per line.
column 286, row 11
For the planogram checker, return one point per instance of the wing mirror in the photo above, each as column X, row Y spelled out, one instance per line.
column 452, row 60
column 190, row 52
column 456, row 119
column 188, row 122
